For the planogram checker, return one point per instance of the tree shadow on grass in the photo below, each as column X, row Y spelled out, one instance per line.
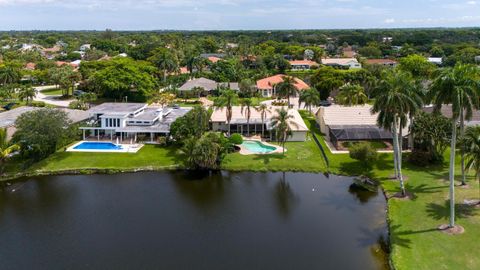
column 357, row 168
column 266, row 159
column 384, row 163
column 442, row 212
column 397, row 236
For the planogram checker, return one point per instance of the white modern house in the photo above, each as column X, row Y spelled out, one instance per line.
column 435, row 60
column 255, row 125
column 207, row 86
column 342, row 62
column 130, row 121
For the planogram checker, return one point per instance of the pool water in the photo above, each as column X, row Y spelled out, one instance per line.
column 258, row 147
column 97, row 146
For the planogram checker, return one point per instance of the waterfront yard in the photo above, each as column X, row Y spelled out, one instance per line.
column 416, row 243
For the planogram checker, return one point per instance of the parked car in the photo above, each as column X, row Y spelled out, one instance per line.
column 78, row 93
column 325, row 103
column 9, row 106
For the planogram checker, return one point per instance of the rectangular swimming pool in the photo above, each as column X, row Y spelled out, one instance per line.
column 98, row 146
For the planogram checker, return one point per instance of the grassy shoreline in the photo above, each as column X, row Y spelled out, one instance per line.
column 415, row 241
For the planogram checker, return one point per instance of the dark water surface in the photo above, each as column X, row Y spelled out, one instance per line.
column 174, row 220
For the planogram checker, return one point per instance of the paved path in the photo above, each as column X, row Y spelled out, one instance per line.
column 52, row 100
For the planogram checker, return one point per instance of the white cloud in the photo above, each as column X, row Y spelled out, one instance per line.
column 472, row 2
column 389, row 20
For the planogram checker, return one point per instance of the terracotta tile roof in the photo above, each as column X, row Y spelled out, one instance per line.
column 303, row 62
column 30, row 66
column 270, row 82
column 214, row 59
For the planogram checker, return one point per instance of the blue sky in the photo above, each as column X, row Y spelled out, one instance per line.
column 234, row 14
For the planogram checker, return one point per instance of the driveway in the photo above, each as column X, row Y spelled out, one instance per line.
column 52, row 100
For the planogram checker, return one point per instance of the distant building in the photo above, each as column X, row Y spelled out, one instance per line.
column 302, row 64
column 342, row 62
column 382, row 62
column 30, row 66
column 85, row 47
column 435, row 60
column 207, row 85
column 267, row 86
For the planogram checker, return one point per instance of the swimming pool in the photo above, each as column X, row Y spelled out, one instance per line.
column 98, row 146
column 257, row 147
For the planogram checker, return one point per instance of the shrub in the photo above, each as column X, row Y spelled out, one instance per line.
column 363, row 152
column 37, row 104
column 162, row 141
column 236, row 138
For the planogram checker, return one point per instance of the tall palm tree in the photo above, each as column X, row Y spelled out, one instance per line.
column 458, row 87
column 310, row 97
column 263, row 110
column 27, row 92
column 192, row 61
column 5, row 147
column 287, row 88
column 164, row 60
column 226, row 100
column 396, row 98
column 471, row 140
column 247, row 104
column 280, row 122
column 351, row 94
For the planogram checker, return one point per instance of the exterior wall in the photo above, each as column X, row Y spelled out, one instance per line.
column 355, row 65
column 265, row 92
column 320, row 121
column 298, row 136
column 218, row 126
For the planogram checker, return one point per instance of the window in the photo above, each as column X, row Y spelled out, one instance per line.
column 118, row 122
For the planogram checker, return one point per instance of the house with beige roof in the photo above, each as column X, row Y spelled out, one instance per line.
column 256, row 125
column 302, row 64
column 350, row 124
column 267, row 86
column 342, row 62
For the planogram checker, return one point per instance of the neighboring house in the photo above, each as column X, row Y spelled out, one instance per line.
column 207, row 85
column 348, row 52
column 342, row 62
column 446, row 111
column 130, row 121
column 238, row 123
column 8, row 118
column 350, row 124
column 214, row 59
column 267, row 86
column 382, row 62
column 435, row 60
column 30, row 66
column 302, row 64
column 74, row 64
column 85, row 47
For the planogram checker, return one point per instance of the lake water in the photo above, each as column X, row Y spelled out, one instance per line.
column 178, row 220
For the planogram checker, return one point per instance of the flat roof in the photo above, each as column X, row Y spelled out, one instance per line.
column 113, row 108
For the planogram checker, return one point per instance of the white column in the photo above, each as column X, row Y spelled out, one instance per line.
column 83, row 134
column 151, row 137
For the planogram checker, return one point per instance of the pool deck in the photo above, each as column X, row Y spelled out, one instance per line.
column 126, row 148
column 245, row 151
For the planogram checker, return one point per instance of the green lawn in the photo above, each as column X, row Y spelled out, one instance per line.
column 52, row 92
column 149, row 157
column 416, row 244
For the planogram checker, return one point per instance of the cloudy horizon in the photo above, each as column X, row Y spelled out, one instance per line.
column 234, row 14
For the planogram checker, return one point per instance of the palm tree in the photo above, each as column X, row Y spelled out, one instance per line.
column 351, row 94
column 471, row 141
column 280, row 122
column 287, row 88
column 5, row 148
column 458, row 87
column 247, row 105
column 310, row 97
column 9, row 74
column 396, row 98
column 164, row 60
column 226, row 100
column 27, row 92
column 263, row 109
column 193, row 60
